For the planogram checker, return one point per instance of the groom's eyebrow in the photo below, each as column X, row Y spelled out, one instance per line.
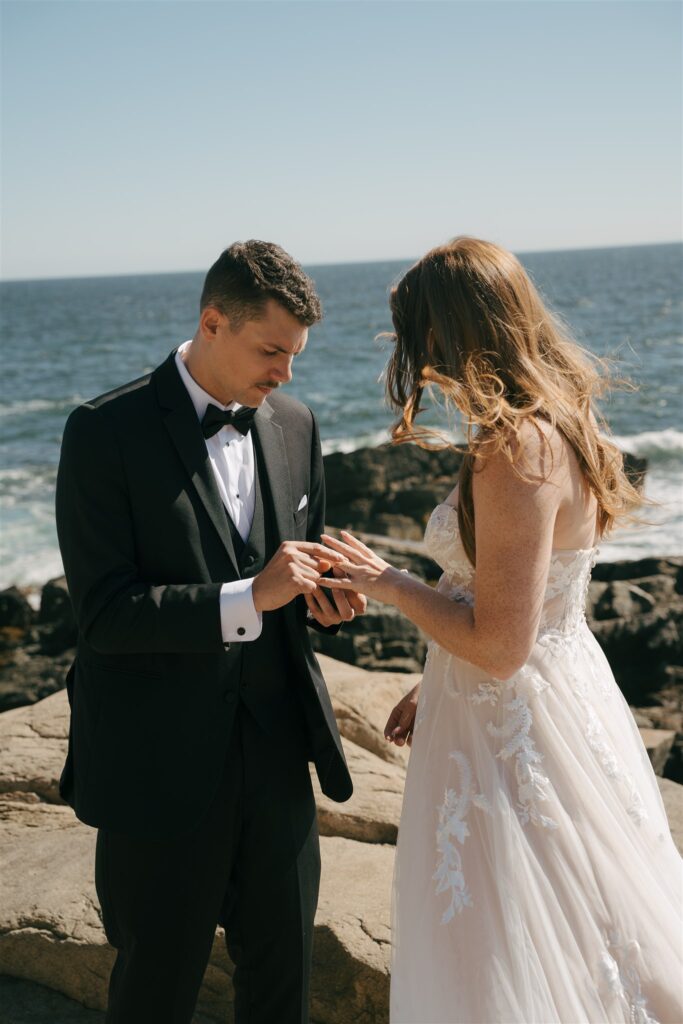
column 287, row 351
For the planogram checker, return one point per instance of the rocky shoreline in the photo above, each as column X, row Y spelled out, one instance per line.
column 634, row 608
column 386, row 494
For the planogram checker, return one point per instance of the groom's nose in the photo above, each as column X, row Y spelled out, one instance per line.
column 282, row 371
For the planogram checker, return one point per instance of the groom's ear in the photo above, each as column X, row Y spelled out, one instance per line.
column 209, row 321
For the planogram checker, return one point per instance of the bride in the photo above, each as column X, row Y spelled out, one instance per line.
column 536, row 879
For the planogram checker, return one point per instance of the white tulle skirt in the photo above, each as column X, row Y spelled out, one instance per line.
column 536, row 879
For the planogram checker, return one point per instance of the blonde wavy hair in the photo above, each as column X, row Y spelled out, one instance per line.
column 469, row 322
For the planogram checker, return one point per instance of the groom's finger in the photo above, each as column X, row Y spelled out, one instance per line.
column 358, row 602
column 343, row 605
column 316, row 609
column 339, row 609
column 311, row 563
column 313, row 549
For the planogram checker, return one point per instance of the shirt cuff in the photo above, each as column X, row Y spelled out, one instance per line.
column 239, row 619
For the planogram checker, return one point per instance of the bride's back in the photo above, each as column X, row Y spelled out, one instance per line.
column 576, row 520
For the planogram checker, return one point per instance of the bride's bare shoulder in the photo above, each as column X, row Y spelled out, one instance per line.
column 537, row 452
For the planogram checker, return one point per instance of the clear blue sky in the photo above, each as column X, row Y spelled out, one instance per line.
column 145, row 136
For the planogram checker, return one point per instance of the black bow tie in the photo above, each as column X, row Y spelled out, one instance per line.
column 215, row 418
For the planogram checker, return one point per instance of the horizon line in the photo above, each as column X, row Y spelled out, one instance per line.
column 330, row 263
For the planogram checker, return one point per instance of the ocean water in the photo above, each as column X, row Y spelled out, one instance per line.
column 65, row 341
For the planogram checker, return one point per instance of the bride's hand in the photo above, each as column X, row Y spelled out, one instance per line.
column 401, row 721
column 364, row 571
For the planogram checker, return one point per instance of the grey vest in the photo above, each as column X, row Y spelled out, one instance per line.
column 264, row 666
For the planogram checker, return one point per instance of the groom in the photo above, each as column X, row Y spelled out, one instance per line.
column 190, row 504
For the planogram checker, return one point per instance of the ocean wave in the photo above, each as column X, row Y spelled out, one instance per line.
column 657, row 445
column 351, row 444
column 653, row 444
column 21, row 483
column 378, row 437
column 31, row 568
column 38, row 405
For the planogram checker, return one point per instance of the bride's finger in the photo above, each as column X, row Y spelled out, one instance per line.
column 337, row 583
column 345, row 549
column 355, row 542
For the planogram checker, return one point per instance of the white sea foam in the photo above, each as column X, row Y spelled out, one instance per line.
column 652, row 444
column 38, row 405
column 28, row 487
column 352, row 444
column 377, row 437
column 30, row 568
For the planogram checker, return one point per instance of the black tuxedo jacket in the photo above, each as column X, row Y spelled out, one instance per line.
column 146, row 547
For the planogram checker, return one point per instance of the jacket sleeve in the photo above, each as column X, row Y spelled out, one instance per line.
column 116, row 611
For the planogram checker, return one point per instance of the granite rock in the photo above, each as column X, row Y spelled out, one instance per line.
column 51, row 929
column 362, row 702
column 372, row 814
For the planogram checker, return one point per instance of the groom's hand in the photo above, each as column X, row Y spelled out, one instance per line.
column 294, row 569
column 340, row 606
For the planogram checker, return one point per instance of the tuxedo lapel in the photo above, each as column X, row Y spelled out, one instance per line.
column 183, row 427
column 271, row 444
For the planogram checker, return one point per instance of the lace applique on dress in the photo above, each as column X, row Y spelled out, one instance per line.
column 532, row 783
column 486, row 693
column 435, row 650
column 442, row 541
column 596, row 736
column 599, row 743
column 564, row 601
column 619, row 974
column 452, row 829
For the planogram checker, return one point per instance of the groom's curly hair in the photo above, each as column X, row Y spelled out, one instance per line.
column 247, row 274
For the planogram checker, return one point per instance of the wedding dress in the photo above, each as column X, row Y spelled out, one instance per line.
column 536, row 879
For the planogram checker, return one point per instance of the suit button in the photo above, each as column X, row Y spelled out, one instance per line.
column 250, row 559
column 241, row 630
column 229, row 696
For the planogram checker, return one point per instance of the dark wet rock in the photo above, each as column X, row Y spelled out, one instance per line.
column 666, row 717
column 635, row 609
column 31, row 676
column 622, row 599
column 56, row 621
column 379, row 640
column 392, row 489
column 15, row 610
column 16, row 624
column 636, row 468
column 642, row 569
column 35, row 656
column 389, row 490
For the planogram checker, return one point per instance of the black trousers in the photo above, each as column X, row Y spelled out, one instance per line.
column 252, row 865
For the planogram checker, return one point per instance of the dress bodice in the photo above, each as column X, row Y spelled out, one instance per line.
column 568, row 573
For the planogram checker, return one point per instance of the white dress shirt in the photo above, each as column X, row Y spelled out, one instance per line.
column 233, row 462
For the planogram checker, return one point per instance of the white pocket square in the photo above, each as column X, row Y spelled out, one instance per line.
column 303, row 503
